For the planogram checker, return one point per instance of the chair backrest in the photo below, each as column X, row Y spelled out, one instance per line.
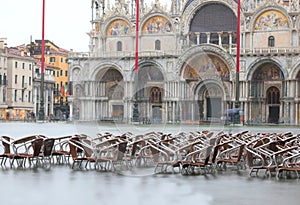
column 73, row 149
column 121, row 150
column 6, row 144
column 37, row 146
column 208, row 152
column 48, row 146
column 240, row 153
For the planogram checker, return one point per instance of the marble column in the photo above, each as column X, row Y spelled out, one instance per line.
column 198, row 37
column 220, row 38
column 230, row 41
column 208, row 37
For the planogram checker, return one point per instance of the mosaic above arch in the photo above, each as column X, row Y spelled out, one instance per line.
column 268, row 72
column 157, row 24
column 206, row 66
column 271, row 20
column 119, row 27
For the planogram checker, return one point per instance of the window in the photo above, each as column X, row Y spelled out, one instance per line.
column 52, row 59
column 61, row 60
column 4, row 80
column 23, row 65
column 0, row 79
column 57, row 74
column 29, row 66
column 155, row 95
column 61, row 72
column 4, row 95
column 66, row 73
column 203, row 38
column 214, row 38
column 273, row 95
column 271, row 41
column 29, row 81
column 23, row 81
column 16, row 95
column 22, row 97
column 16, row 79
column 16, row 64
column 29, row 96
column 157, row 45
column 119, row 46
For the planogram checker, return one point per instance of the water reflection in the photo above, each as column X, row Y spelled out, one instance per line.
column 62, row 185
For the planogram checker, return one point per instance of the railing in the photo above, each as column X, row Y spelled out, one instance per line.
column 128, row 54
column 178, row 52
column 37, row 76
column 270, row 50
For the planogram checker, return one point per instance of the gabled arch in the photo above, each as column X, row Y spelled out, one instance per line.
column 118, row 24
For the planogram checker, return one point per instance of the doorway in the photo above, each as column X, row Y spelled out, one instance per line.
column 156, row 113
column 214, row 108
column 273, row 114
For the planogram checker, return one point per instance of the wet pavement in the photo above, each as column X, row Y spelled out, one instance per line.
column 62, row 185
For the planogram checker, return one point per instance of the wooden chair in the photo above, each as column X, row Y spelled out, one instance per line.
column 7, row 154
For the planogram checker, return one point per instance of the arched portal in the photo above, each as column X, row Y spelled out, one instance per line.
column 148, row 85
column 109, row 93
column 266, row 86
column 210, row 102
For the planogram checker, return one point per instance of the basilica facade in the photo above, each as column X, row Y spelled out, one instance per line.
column 187, row 64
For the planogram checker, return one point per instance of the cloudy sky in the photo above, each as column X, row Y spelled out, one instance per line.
column 66, row 22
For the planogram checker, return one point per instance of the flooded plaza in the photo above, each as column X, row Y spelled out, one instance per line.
column 63, row 185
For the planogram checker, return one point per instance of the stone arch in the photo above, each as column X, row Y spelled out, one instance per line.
column 259, row 62
column 295, row 71
column 210, row 96
column 192, row 7
column 148, row 63
column 205, row 49
column 76, row 73
column 100, row 68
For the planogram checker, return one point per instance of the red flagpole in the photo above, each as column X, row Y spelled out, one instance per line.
column 137, row 37
column 238, row 34
column 43, row 39
column 41, row 108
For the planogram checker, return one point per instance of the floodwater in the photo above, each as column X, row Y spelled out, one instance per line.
column 62, row 185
